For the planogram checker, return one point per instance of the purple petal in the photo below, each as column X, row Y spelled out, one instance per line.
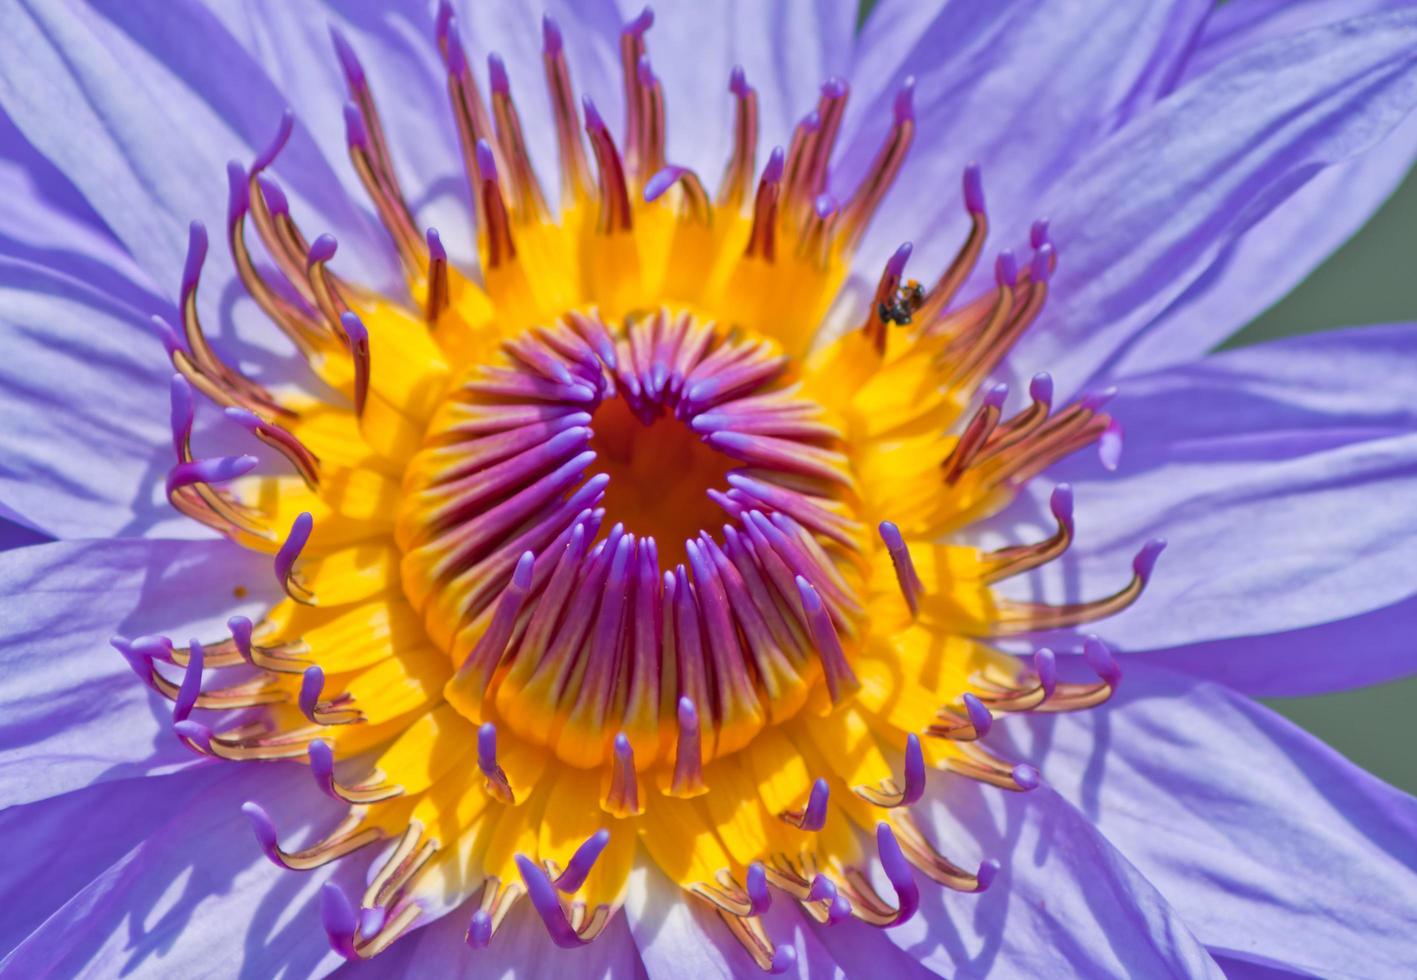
column 155, row 98
column 73, row 713
column 1143, row 216
column 194, row 890
column 1273, row 846
column 1066, row 902
column 992, row 77
column 1348, row 653
column 519, row 948
column 1278, row 473
column 1266, row 262
column 676, row 937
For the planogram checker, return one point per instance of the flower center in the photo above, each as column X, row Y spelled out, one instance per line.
column 661, row 429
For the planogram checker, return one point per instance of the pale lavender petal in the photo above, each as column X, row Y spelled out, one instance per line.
column 1266, row 262
column 1231, row 28
column 71, row 710
column 1140, row 218
column 1066, row 901
column 84, row 435
column 1335, row 656
column 787, row 51
column 156, row 96
column 197, row 897
column 520, row 948
column 1280, row 476
column 1025, row 89
column 1273, row 847
column 56, row 846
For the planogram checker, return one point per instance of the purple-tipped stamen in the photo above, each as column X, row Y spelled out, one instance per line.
column 582, row 862
column 897, row 870
column 914, row 771
column 479, row 928
column 1045, row 665
column 759, row 898
column 312, row 685
column 267, row 156
column 191, row 687
column 974, row 189
column 337, row 916
column 980, row 717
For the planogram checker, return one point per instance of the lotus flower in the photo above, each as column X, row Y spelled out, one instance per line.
column 537, row 552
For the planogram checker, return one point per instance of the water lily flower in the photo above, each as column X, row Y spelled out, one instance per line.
column 609, row 500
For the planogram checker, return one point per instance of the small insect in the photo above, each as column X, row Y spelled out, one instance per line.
column 908, row 298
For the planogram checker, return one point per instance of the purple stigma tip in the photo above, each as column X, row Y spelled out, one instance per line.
column 988, row 871
column 170, row 341
column 1006, row 269
column 479, row 930
column 355, row 132
column 738, row 82
column 182, row 409
column 825, row 206
column 1038, row 234
column 267, row 156
column 1045, row 665
column 191, row 688
column 436, row 252
column 897, row 870
column 582, row 862
column 292, row 546
column 196, row 255
column 593, row 122
column 487, row 747
column 688, row 714
column 238, row 192
column 1040, row 389
column 1145, row 561
column 372, row 920
column 443, row 18
column 822, row 888
column 497, row 74
column 814, row 816
column 275, row 197
column 1025, row 776
column 914, row 771
column 551, row 41
column 784, row 958
column 486, row 161
column 521, row 576
column 1109, row 446
column 353, row 70
column 979, row 716
column 661, row 182
column 974, row 189
column 759, row 898
column 834, row 87
column 1042, row 266
column 904, row 110
column 322, row 249
column 354, row 328
column 1095, row 400
column 322, row 764
column 997, row 395
column 312, row 685
column 457, row 57
column 1061, row 504
column 264, row 830
column 241, row 630
column 772, row 173
column 337, row 916
column 1100, row 659
column 895, row 265
column 642, row 22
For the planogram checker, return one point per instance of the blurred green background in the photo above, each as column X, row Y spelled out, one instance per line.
column 1369, row 280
